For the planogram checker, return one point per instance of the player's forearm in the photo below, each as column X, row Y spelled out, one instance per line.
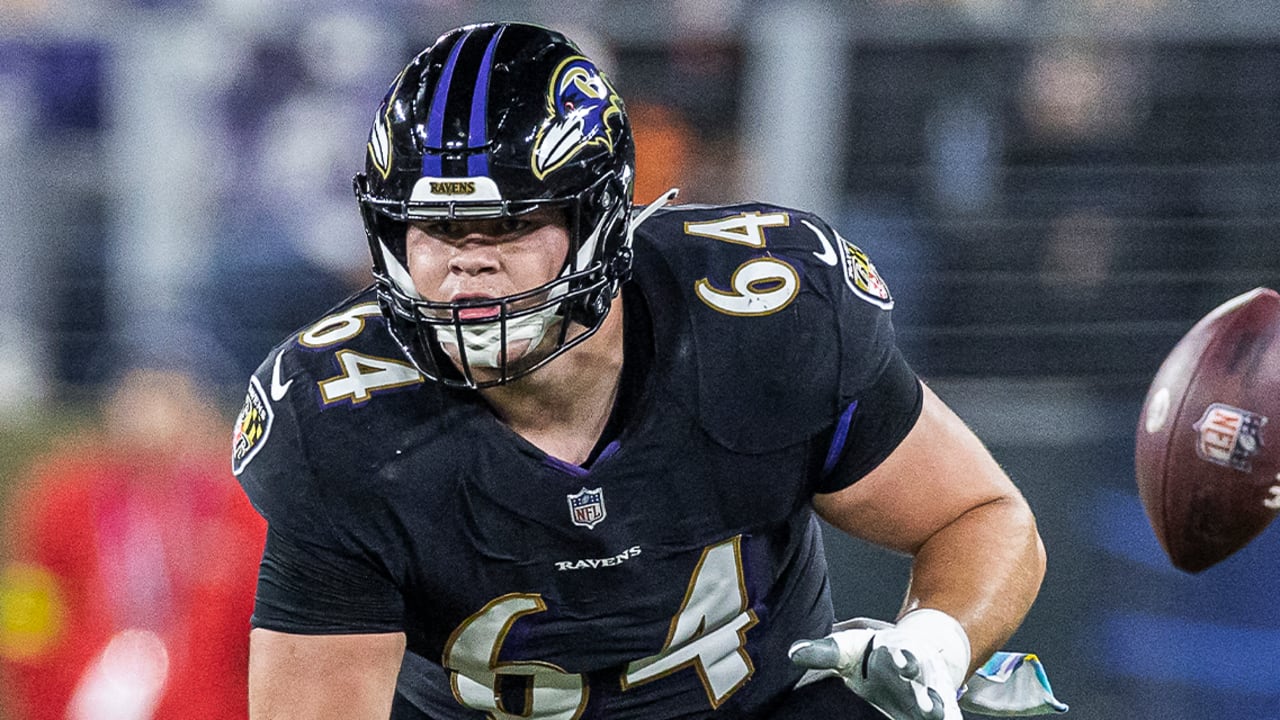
column 984, row 569
column 322, row 677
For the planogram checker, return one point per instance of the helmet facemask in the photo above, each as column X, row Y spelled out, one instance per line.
column 529, row 328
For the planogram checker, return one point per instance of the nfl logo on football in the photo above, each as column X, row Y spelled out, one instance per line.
column 586, row 507
column 1229, row 436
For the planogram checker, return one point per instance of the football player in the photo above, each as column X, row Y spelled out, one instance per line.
column 565, row 460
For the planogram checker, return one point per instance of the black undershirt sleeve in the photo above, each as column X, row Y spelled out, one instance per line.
column 316, row 590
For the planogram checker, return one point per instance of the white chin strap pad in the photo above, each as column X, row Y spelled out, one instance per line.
column 483, row 341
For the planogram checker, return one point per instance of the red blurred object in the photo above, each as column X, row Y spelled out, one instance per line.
column 1208, row 443
column 133, row 555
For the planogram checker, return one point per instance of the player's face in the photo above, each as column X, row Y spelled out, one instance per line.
column 452, row 260
column 457, row 259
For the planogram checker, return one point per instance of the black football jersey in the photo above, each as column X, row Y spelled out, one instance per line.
column 667, row 578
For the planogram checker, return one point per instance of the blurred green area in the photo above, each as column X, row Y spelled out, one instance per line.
column 21, row 442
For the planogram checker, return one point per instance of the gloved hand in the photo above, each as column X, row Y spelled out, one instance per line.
column 909, row 671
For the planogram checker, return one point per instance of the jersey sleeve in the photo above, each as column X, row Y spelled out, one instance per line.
column 314, row 589
column 313, row 579
column 873, row 424
column 880, row 395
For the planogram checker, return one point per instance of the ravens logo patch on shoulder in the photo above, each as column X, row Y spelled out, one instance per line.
column 862, row 277
column 253, row 424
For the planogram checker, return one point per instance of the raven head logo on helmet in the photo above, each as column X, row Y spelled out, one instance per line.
column 580, row 103
column 380, row 136
column 498, row 120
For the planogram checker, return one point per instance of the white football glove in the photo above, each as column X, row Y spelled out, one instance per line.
column 909, row 671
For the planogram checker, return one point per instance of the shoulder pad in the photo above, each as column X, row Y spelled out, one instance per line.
column 768, row 303
column 306, row 416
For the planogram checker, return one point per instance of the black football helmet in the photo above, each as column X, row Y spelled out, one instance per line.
column 497, row 120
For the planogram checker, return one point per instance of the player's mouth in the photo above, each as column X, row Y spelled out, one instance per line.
column 477, row 311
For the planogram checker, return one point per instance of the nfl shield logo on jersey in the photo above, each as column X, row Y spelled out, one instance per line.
column 586, row 507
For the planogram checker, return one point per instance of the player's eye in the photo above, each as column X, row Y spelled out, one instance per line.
column 511, row 225
column 443, row 228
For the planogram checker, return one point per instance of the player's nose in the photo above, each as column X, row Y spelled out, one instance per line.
column 474, row 256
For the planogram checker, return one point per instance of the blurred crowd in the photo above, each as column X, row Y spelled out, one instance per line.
column 130, row 563
column 1054, row 191
column 186, row 164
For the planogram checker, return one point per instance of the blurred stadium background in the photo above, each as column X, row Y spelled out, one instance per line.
column 1054, row 190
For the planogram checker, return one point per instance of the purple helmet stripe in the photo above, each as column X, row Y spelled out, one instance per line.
column 435, row 121
column 477, row 133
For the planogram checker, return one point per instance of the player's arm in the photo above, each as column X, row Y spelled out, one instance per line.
column 327, row 638
column 977, row 566
column 322, row 677
column 941, row 497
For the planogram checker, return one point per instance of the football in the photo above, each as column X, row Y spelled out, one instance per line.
column 1207, row 457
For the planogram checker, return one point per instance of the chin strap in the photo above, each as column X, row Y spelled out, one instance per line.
column 649, row 210
column 483, row 341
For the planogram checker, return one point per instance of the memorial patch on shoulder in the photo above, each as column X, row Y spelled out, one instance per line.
column 253, row 425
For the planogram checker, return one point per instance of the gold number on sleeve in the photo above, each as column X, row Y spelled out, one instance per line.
column 339, row 327
column 759, row 286
column 362, row 375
